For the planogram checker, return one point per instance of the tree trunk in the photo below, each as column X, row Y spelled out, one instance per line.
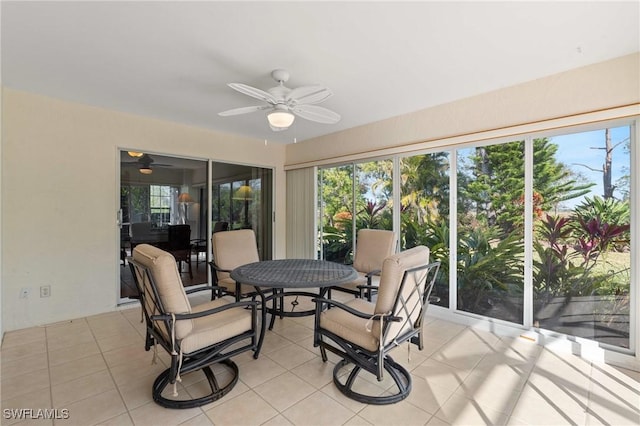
column 606, row 167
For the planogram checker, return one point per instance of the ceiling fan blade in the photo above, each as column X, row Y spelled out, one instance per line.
column 316, row 113
column 307, row 95
column 254, row 93
column 243, row 110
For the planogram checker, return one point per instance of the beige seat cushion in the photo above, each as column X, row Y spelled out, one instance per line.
column 393, row 270
column 200, row 332
column 349, row 327
column 215, row 328
column 230, row 285
column 168, row 283
column 232, row 249
column 372, row 247
column 353, row 285
column 354, row 329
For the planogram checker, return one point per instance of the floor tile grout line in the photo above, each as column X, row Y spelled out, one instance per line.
column 46, row 345
column 113, row 380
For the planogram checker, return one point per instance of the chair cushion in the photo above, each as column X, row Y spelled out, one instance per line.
column 230, row 285
column 353, row 285
column 212, row 329
column 349, row 327
column 232, row 249
column 168, row 283
column 372, row 247
column 393, row 270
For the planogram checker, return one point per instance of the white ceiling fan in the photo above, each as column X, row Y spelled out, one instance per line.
column 284, row 103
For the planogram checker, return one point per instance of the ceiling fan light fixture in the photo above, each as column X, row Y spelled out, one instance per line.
column 135, row 154
column 146, row 170
column 280, row 120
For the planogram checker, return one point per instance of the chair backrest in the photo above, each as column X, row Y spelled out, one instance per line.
column 140, row 231
column 220, row 227
column 405, row 281
column 179, row 237
column 160, row 286
column 234, row 248
column 373, row 246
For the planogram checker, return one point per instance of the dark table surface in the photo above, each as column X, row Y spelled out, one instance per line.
column 294, row 273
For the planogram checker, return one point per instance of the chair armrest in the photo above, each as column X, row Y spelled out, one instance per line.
column 355, row 312
column 371, row 288
column 217, row 268
column 374, row 272
column 365, row 286
column 168, row 317
column 208, row 287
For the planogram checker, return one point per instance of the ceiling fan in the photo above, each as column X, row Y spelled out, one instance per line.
column 283, row 103
column 144, row 164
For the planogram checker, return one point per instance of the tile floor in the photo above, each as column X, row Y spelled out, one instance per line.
column 96, row 369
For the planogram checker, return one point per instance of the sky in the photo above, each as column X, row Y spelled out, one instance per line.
column 576, row 148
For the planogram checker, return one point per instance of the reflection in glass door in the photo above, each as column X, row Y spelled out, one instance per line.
column 159, row 195
column 242, row 199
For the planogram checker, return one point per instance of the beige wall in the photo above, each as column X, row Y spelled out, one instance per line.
column 60, row 197
column 593, row 88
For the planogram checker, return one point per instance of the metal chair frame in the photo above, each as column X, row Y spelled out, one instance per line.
column 159, row 327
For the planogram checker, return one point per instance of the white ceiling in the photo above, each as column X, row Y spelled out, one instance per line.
column 172, row 60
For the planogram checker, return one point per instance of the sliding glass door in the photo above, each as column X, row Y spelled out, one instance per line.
column 161, row 193
column 424, row 212
column 490, row 230
column 353, row 197
column 157, row 194
column 582, row 246
column 242, row 199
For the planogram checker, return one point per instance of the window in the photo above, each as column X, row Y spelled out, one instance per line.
column 160, row 203
column 424, row 211
column 353, row 197
column 561, row 201
column 582, row 247
column 490, row 225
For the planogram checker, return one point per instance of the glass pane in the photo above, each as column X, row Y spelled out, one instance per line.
column 374, row 195
column 336, row 201
column 424, row 212
column 157, row 192
column 490, row 264
column 582, row 262
column 242, row 199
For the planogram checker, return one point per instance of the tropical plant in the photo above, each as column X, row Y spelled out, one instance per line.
column 371, row 215
column 554, row 273
column 608, row 210
column 488, row 268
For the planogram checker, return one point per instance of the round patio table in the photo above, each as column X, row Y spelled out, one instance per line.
column 297, row 276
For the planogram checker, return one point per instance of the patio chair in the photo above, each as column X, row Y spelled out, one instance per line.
column 179, row 245
column 197, row 338
column 363, row 333
column 230, row 250
column 372, row 247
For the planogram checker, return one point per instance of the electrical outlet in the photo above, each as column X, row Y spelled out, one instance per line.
column 45, row 290
column 24, row 292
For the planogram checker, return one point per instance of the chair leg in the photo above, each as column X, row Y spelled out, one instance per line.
column 217, row 392
column 398, row 373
